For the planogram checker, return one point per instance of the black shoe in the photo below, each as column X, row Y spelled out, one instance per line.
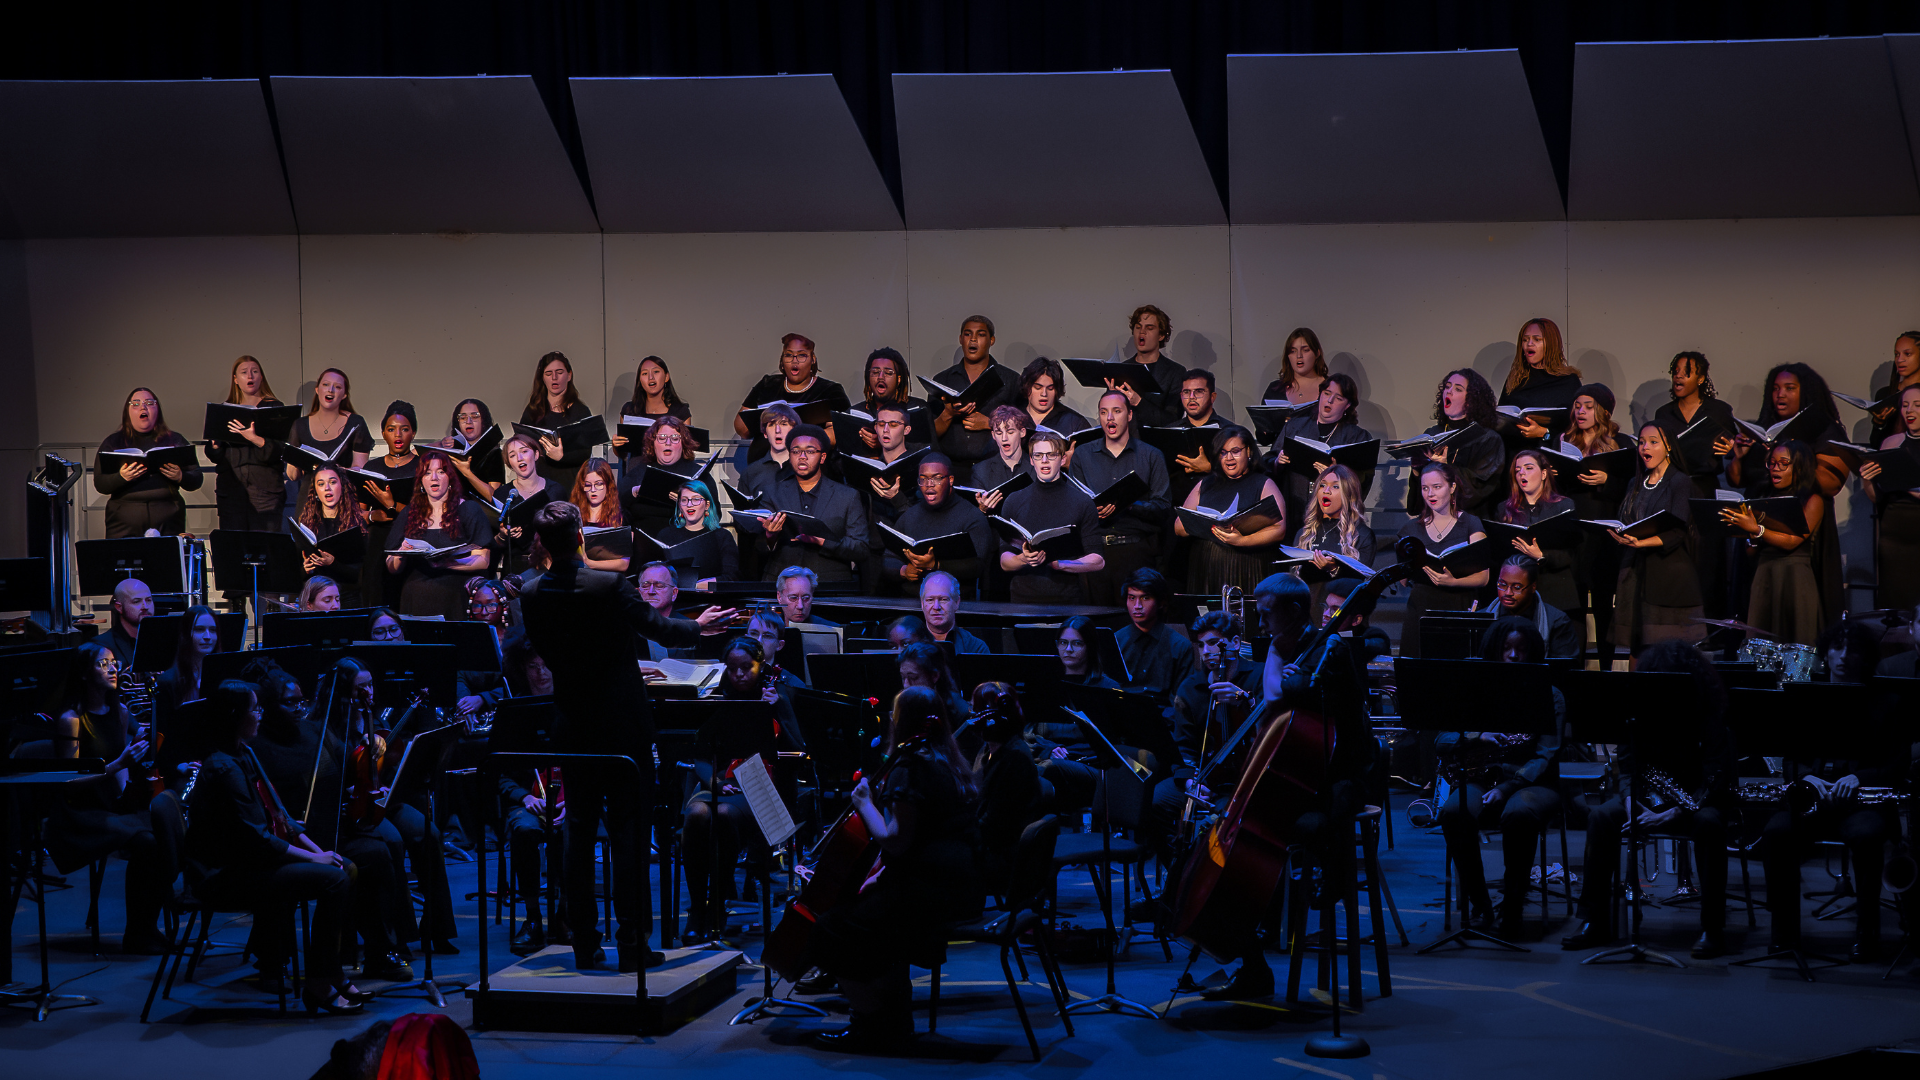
column 1244, row 986
column 817, row 982
column 316, row 1006
column 530, row 940
column 654, row 959
column 388, row 968
column 404, row 952
column 1510, row 927
column 1589, row 936
column 589, row 958
column 1710, row 944
column 442, row 947
column 869, row 1034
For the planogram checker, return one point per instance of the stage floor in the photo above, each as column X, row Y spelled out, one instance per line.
column 1453, row 1013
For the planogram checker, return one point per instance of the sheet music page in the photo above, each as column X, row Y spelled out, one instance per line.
column 769, row 810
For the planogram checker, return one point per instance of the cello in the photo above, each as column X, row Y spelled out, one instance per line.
column 1230, row 875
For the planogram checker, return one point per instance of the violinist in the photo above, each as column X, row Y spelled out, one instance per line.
column 398, row 463
column 471, row 420
column 247, row 491
column 554, row 401
column 924, row 815
column 925, row 664
column 1003, row 770
column 1702, row 772
column 327, row 508
column 1511, row 779
column 749, row 677
column 1314, row 677
column 142, row 501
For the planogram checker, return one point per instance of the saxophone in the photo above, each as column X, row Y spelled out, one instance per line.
column 1474, row 762
column 1803, row 799
column 1666, row 792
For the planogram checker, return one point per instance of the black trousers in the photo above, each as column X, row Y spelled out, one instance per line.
column 626, row 807
column 133, row 517
column 272, row 896
column 1707, row 827
column 735, row 829
column 380, row 901
column 526, row 835
column 1521, row 817
column 1785, row 843
column 419, row 840
column 236, row 512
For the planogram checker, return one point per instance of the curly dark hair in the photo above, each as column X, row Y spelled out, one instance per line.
column 1480, row 401
column 1699, row 362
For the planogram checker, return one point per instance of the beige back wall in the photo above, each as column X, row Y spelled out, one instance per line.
column 435, row 318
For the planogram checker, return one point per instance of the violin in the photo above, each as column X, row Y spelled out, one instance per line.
column 369, row 790
column 1229, row 878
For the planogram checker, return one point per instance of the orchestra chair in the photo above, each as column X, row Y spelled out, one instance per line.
column 1120, row 802
column 1545, row 886
column 1022, row 911
column 1683, row 844
column 1368, row 878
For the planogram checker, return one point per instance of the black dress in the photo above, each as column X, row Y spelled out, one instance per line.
column 249, row 490
column 355, row 434
column 373, row 573
column 715, row 556
column 437, row 590
column 1557, row 578
column 1898, row 550
column 1212, row 565
column 571, row 457
column 1596, row 568
column 344, row 570
column 1658, row 593
column 1425, row 596
column 1540, row 390
column 630, row 456
column 1297, row 486
column 773, row 387
column 1480, row 457
column 150, row 502
column 515, row 555
column 1786, row 597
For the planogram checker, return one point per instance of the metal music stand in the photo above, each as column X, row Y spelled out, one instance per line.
column 24, row 584
column 1025, row 671
column 160, row 562
column 1108, row 757
column 856, row 675
column 1453, row 635
column 285, row 629
column 1634, row 710
column 1463, row 695
column 34, row 777
column 159, row 642
column 270, row 560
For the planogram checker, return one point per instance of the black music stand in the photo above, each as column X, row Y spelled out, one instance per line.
column 727, row 732
column 269, row 560
column 400, row 670
column 1107, row 757
column 160, row 562
column 1021, row 670
column 1453, row 635
column 856, row 675
column 159, row 642
column 1634, row 710
column 1460, row 695
column 33, row 776
column 25, row 585
column 476, row 646
column 287, row 629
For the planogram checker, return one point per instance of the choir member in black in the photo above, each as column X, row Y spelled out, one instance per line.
column 1597, row 561
column 1010, row 427
column 320, row 593
column 1151, row 330
column 717, row 559
column 1541, row 377
column 1905, row 376
column 1367, row 641
column 1228, row 556
column 289, row 729
column 397, row 426
column 569, row 612
column 525, row 480
column 748, row 677
column 132, row 603
column 1303, row 370
column 1786, row 600
column 1320, row 681
column 1703, row 769
column 1657, row 597
column 1439, row 525
column 798, row 382
column 1334, row 422
column 1128, row 535
column 1041, row 384
column 438, row 516
column 596, row 493
column 1508, row 779
column 1010, row 791
column 925, row 664
column 1185, row 473
column 836, row 506
column 328, row 507
column 554, row 401
column 471, row 419
column 1464, row 400
column 1694, row 397
column 331, row 424
column 1518, row 590
column 1158, row 656
column 1849, row 649
column 940, row 604
column 936, row 512
column 1049, row 502
column 1792, row 389
column 1336, row 521
column 888, row 381
column 653, row 398
column 767, row 463
column 1898, row 561
column 885, row 501
column 107, row 813
column 179, row 684
column 924, row 816
column 667, row 447
column 961, row 431
column 247, row 492
column 1531, row 501
column 142, row 500
column 245, row 850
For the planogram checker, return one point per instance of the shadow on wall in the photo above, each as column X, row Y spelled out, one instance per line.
column 1599, row 367
column 1493, row 362
column 1646, row 398
column 1378, row 422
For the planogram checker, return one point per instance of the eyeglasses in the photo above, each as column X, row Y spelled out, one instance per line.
column 1044, row 455
column 889, row 424
column 934, row 481
column 805, row 451
column 386, row 633
column 144, row 403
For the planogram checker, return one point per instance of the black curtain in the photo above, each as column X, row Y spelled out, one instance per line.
column 863, row 42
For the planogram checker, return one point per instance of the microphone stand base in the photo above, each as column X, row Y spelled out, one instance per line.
column 1338, row 1046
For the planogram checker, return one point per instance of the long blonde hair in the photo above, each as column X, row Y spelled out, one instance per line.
column 1350, row 520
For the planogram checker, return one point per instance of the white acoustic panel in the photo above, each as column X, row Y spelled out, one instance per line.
column 1386, row 137
column 760, row 154
column 404, row 155
column 93, row 159
column 1734, row 129
column 982, row 151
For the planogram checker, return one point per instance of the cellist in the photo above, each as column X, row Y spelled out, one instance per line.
column 1320, row 680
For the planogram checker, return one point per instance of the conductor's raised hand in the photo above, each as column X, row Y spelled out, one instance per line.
column 714, row 620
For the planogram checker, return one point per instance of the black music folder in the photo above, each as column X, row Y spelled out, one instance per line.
column 269, row 421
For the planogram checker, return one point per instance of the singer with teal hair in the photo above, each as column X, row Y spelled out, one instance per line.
column 698, row 549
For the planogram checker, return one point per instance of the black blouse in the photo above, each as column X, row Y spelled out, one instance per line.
column 572, row 457
column 1667, row 575
column 1556, row 581
column 359, row 440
